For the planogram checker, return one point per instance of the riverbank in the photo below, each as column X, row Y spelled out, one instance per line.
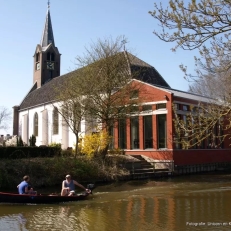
column 45, row 172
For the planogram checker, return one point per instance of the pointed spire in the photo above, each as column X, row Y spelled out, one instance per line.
column 47, row 36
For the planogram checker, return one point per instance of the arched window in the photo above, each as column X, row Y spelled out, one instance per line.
column 36, row 124
column 55, row 121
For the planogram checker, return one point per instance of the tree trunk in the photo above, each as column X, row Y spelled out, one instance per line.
column 76, row 145
column 104, row 151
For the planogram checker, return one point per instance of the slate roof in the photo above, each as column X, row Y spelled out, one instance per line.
column 47, row 35
column 46, row 93
column 185, row 94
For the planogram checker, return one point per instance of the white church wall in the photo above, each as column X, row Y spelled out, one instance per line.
column 45, row 127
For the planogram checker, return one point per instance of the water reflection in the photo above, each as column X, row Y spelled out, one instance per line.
column 166, row 205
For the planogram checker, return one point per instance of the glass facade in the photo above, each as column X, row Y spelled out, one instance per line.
column 122, row 134
column 111, row 134
column 162, row 136
column 134, row 131
column 148, row 140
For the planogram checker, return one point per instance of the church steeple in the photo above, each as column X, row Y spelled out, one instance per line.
column 47, row 36
column 47, row 56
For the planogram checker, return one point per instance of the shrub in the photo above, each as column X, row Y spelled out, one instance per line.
column 55, row 145
column 92, row 145
column 19, row 142
column 32, row 141
column 25, row 152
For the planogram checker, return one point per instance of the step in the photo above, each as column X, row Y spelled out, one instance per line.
column 150, row 175
column 143, row 170
column 146, row 164
column 139, row 157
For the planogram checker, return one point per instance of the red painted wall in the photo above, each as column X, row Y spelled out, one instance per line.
column 190, row 157
column 187, row 157
column 156, row 155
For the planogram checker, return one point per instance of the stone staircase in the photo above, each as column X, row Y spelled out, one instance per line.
column 146, row 169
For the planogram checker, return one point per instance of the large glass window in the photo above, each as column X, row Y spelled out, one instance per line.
column 161, row 120
column 111, row 134
column 148, row 141
column 147, row 108
column 122, row 134
column 36, row 124
column 135, row 144
column 161, row 106
column 55, row 121
column 185, row 107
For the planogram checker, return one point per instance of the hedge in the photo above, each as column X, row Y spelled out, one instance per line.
column 28, row 152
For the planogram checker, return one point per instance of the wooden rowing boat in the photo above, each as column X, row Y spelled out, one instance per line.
column 42, row 198
column 39, row 199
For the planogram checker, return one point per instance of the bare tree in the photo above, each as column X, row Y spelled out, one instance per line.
column 5, row 117
column 107, row 82
column 202, row 25
column 101, row 89
column 71, row 104
column 190, row 24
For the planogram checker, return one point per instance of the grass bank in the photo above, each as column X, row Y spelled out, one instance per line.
column 51, row 171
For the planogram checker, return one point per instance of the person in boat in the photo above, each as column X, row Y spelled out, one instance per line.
column 68, row 187
column 24, row 188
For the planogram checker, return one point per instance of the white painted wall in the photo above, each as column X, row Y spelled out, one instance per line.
column 45, row 127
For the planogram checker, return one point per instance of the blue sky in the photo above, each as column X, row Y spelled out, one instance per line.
column 75, row 25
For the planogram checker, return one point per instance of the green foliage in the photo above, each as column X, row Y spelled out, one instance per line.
column 19, row 142
column 32, row 141
column 24, row 152
column 51, row 171
column 67, row 153
column 116, row 151
column 94, row 144
column 55, row 145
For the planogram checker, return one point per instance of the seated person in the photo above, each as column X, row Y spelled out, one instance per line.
column 68, row 187
column 24, row 188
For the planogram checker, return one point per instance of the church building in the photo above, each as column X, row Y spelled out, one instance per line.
column 149, row 133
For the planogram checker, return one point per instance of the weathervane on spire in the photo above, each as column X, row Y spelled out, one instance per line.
column 48, row 4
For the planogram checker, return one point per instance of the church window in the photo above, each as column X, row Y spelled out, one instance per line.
column 37, row 57
column 36, row 124
column 55, row 121
column 50, row 56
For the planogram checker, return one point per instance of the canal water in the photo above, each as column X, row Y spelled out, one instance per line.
column 199, row 202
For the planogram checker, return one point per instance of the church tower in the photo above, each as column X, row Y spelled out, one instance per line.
column 47, row 56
